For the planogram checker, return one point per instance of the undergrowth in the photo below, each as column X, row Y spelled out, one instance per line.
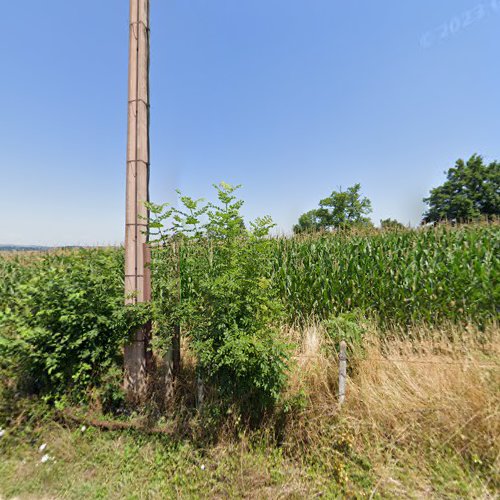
column 420, row 419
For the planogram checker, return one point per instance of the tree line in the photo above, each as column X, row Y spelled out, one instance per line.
column 471, row 191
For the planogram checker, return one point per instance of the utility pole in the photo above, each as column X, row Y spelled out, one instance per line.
column 137, row 278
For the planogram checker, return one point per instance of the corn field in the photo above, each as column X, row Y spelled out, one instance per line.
column 402, row 277
column 398, row 277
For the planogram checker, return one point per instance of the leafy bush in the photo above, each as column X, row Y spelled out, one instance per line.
column 229, row 308
column 63, row 321
column 347, row 326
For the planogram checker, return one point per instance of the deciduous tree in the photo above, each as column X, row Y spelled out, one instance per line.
column 339, row 210
column 471, row 191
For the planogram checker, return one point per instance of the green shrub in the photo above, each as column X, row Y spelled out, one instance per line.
column 63, row 322
column 228, row 306
column 347, row 326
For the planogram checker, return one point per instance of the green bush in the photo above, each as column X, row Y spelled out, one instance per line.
column 228, row 306
column 347, row 326
column 63, row 321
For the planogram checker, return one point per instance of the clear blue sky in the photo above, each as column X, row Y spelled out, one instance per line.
column 291, row 98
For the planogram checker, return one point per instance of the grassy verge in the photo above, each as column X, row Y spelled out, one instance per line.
column 97, row 464
column 420, row 421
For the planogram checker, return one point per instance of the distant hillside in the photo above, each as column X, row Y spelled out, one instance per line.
column 21, row 248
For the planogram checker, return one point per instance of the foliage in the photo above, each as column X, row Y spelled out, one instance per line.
column 471, row 191
column 62, row 323
column 339, row 210
column 228, row 306
column 423, row 413
column 401, row 277
column 391, row 225
column 347, row 326
column 62, row 319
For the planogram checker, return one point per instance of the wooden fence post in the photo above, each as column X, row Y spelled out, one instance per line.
column 342, row 371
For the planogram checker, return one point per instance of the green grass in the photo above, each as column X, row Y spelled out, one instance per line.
column 101, row 464
column 97, row 464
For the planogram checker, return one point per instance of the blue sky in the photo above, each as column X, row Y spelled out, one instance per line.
column 291, row 98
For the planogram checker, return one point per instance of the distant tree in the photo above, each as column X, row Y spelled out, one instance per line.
column 308, row 222
column 390, row 224
column 339, row 210
column 471, row 191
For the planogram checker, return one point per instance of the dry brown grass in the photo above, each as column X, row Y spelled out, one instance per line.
column 410, row 398
column 404, row 387
column 421, row 420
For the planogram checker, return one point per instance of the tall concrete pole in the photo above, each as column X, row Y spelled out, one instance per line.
column 137, row 287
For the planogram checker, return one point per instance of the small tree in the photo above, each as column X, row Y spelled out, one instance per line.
column 391, row 225
column 471, row 191
column 229, row 309
column 339, row 210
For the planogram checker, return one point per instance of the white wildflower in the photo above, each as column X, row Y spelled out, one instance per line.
column 42, row 447
column 83, row 428
column 202, row 467
column 45, row 458
column 2, row 432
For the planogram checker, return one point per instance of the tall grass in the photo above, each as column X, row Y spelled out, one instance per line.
column 422, row 408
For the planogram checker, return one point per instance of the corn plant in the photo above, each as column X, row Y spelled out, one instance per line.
column 401, row 277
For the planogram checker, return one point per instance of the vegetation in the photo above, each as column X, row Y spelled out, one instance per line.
column 420, row 420
column 340, row 210
column 62, row 319
column 403, row 277
column 228, row 309
column 471, row 191
column 261, row 319
column 400, row 277
column 391, row 225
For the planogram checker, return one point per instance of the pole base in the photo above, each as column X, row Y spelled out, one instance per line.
column 136, row 369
